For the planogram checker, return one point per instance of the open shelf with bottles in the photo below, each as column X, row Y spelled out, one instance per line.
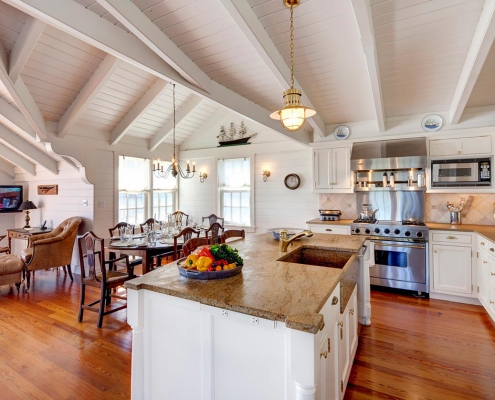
column 390, row 180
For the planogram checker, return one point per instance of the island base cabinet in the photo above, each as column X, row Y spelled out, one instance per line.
column 186, row 350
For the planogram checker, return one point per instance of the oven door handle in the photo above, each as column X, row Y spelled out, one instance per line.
column 401, row 245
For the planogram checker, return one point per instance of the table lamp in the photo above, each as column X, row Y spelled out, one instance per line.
column 27, row 205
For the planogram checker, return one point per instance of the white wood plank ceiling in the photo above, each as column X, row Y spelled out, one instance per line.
column 356, row 61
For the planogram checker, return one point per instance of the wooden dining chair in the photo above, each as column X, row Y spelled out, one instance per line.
column 212, row 218
column 4, row 249
column 186, row 234
column 101, row 274
column 178, row 216
column 192, row 244
column 148, row 222
column 233, row 233
column 213, row 233
column 114, row 232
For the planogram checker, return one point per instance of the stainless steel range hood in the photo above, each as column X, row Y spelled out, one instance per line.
column 389, row 154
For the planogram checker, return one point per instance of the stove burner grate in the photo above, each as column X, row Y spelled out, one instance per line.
column 364, row 221
column 414, row 223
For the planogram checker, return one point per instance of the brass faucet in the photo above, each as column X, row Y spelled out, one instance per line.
column 284, row 241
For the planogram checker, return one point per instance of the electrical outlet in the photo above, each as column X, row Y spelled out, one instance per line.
column 85, row 203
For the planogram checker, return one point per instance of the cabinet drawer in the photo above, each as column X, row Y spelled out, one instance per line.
column 486, row 245
column 451, row 237
column 331, row 229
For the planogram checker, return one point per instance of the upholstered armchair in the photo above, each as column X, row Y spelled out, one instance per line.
column 52, row 249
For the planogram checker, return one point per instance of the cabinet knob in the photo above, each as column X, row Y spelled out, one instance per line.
column 435, row 251
column 458, row 152
column 351, row 311
column 492, row 273
column 492, row 302
column 451, row 237
column 491, row 249
column 335, row 300
column 482, row 243
column 485, row 262
column 323, row 354
column 328, row 230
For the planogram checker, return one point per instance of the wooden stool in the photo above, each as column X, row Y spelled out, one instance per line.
column 10, row 270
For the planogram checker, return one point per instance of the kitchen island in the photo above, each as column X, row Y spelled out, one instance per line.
column 266, row 333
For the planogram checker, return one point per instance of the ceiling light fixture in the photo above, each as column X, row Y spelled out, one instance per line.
column 174, row 168
column 294, row 114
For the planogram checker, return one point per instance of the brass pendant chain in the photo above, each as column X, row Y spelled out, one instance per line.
column 292, row 47
column 174, row 117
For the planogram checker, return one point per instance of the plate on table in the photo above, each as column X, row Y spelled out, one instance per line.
column 206, row 275
column 128, row 244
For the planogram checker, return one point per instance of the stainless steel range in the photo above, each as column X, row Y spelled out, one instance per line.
column 399, row 253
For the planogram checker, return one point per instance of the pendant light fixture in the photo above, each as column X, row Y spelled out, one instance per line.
column 294, row 114
column 174, row 168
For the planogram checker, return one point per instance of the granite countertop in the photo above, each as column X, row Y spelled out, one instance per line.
column 487, row 231
column 317, row 221
column 266, row 288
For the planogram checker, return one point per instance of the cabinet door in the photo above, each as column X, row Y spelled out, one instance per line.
column 476, row 145
column 323, row 179
column 483, row 273
column 452, row 269
column 341, row 168
column 322, row 377
column 344, row 356
column 442, row 147
column 353, row 323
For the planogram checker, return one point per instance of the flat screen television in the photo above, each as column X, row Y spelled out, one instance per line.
column 10, row 197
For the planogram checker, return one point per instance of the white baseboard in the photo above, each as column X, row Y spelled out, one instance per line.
column 457, row 299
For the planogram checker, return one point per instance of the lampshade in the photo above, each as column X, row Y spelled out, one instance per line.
column 27, row 205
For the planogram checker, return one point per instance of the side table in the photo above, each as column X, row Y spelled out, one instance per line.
column 21, row 233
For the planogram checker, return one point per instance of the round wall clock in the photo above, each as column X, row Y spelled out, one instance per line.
column 292, row 181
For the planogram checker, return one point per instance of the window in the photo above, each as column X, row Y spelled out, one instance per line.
column 235, row 191
column 133, row 189
column 164, row 194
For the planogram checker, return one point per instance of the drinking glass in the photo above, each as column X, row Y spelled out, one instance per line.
column 152, row 238
column 127, row 234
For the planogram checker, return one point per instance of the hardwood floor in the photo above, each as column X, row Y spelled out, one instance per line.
column 424, row 349
column 415, row 349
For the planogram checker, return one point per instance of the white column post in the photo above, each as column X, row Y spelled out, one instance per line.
column 135, row 318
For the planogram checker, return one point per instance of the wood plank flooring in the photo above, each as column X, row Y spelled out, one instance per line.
column 424, row 349
column 416, row 348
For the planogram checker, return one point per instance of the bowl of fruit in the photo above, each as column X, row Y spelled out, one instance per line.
column 211, row 262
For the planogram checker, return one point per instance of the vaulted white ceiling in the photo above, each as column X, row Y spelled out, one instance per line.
column 108, row 65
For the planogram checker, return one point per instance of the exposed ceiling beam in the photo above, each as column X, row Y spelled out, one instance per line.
column 153, row 93
column 99, row 79
column 168, row 128
column 480, row 47
column 14, row 120
column 7, row 167
column 362, row 12
column 24, row 45
column 207, row 125
column 27, row 149
column 22, row 97
column 76, row 20
column 133, row 19
column 248, row 22
column 16, row 159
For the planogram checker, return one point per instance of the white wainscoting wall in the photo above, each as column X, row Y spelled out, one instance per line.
column 7, row 220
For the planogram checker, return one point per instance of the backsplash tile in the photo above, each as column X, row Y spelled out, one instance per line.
column 478, row 210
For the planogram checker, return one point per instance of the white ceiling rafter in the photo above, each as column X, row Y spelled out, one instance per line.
column 14, row 120
column 136, row 22
column 207, row 125
column 22, row 97
column 16, row 159
column 83, row 24
column 7, row 167
column 24, row 45
column 168, row 128
column 476, row 57
column 362, row 12
column 97, row 81
column 138, row 110
column 28, row 150
column 250, row 25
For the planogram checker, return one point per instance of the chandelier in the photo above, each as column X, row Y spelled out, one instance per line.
column 174, row 168
column 294, row 114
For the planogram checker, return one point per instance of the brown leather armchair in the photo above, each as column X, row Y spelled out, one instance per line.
column 52, row 249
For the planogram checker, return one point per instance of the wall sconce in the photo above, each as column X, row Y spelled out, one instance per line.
column 266, row 174
column 202, row 176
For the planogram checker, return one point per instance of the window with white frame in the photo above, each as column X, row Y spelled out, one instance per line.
column 134, row 185
column 164, row 195
column 235, row 190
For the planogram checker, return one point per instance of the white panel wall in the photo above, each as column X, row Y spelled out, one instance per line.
column 7, row 220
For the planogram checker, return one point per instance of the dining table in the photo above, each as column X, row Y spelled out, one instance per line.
column 137, row 246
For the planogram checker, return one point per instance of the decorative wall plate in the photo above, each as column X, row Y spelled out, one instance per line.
column 292, row 181
column 432, row 123
column 341, row 132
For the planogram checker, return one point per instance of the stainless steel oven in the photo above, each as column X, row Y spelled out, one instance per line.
column 467, row 172
column 400, row 264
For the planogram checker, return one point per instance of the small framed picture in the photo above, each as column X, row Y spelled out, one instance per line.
column 47, row 189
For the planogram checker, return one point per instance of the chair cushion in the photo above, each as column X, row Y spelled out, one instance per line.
column 10, row 264
column 113, row 276
column 26, row 255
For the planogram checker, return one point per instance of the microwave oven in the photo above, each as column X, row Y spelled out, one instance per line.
column 458, row 173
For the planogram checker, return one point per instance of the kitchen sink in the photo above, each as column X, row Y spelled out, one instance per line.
column 319, row 257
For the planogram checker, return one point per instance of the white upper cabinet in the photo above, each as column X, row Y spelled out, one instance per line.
column 461, row 146
column 332, row 169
